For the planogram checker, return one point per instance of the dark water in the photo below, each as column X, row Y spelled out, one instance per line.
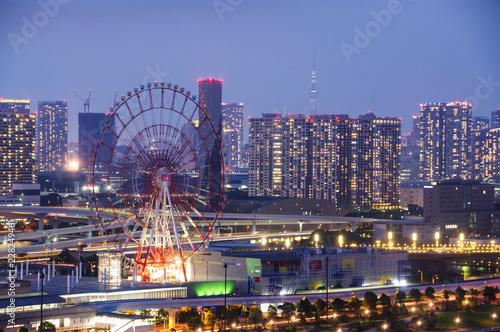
column 473, row 272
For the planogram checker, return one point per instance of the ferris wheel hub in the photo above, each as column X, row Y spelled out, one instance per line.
column 163, row 178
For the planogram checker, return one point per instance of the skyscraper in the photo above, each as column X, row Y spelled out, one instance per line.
column 445, row 139
column 17, row 144
column 495, row 119
column 90, row 126
column 313, row 93
column 478, row 146
column 210, row 99
column 52, row 136
column 376, row 151
column 232, row 134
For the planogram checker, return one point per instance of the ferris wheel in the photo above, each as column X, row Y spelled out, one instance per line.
column 159, row 160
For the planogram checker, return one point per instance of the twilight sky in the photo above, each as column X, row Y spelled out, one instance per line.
column 385, row 56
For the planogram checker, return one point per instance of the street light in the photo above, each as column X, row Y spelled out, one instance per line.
column 414, row 236
column 385, row 326
column 457, row 320
column 225, row 295
column 41, row 305
column 389, row 236
column 326, row 267
column 436, row 236
column 341, row 240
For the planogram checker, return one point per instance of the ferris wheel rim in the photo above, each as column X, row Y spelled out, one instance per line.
column 218, row 211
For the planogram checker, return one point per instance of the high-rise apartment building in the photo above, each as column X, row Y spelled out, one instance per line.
column 479, row 135
column 495, row 119
column 14, row 105
column 232, row 135
column 328, row 157
column 210, row 100
column 445, row 141
column 90, row 126
column 52, row 136
column 376, row 152
column 17, row 144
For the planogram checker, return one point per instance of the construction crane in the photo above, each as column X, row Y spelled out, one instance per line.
column 86, row 102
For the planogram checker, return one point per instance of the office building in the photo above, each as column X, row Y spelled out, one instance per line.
column 210, row 100
column 329, row 157
column 460, row 207
column 232, row 135
column 17, row 144
column 52, row 136
column 90, row 126
column 445, row 141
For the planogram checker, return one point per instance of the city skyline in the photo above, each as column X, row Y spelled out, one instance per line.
column 383, row 56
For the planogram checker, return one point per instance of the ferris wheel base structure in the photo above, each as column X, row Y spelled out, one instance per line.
column 170, row 177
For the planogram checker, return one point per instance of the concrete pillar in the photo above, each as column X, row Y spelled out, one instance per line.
column 44, row 279
column 21, row 275
column 53, row 268
column 27, row 265
column 254, row 226
column 171, row 317
column 48, row 272
column 77, row 274
column 67, row 283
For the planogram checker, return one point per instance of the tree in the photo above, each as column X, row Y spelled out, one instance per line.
column 287, row 310
column 370, row 300
column 194, row 320
column 22, row 329
column 338, row 304
column 460, row 294
column 305, row 307
column 272, row 312
column 489, row 293
column 161, row 315
column 255, row 317
column 47, row 327
column 145, row 312
column 400, row 296
column 233, row 317
column 354, row 304
column 321, row 305
column 385, row 300
column 429, row 292
column 415, row 294
column 211, row 317
column 446, row 294
column 474, row 292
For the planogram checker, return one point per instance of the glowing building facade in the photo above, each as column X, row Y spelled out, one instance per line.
column 232, row 135
column 329, row 157
column 17, row 144
column 375, row 182
column 52, row 136
column 445, row 141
